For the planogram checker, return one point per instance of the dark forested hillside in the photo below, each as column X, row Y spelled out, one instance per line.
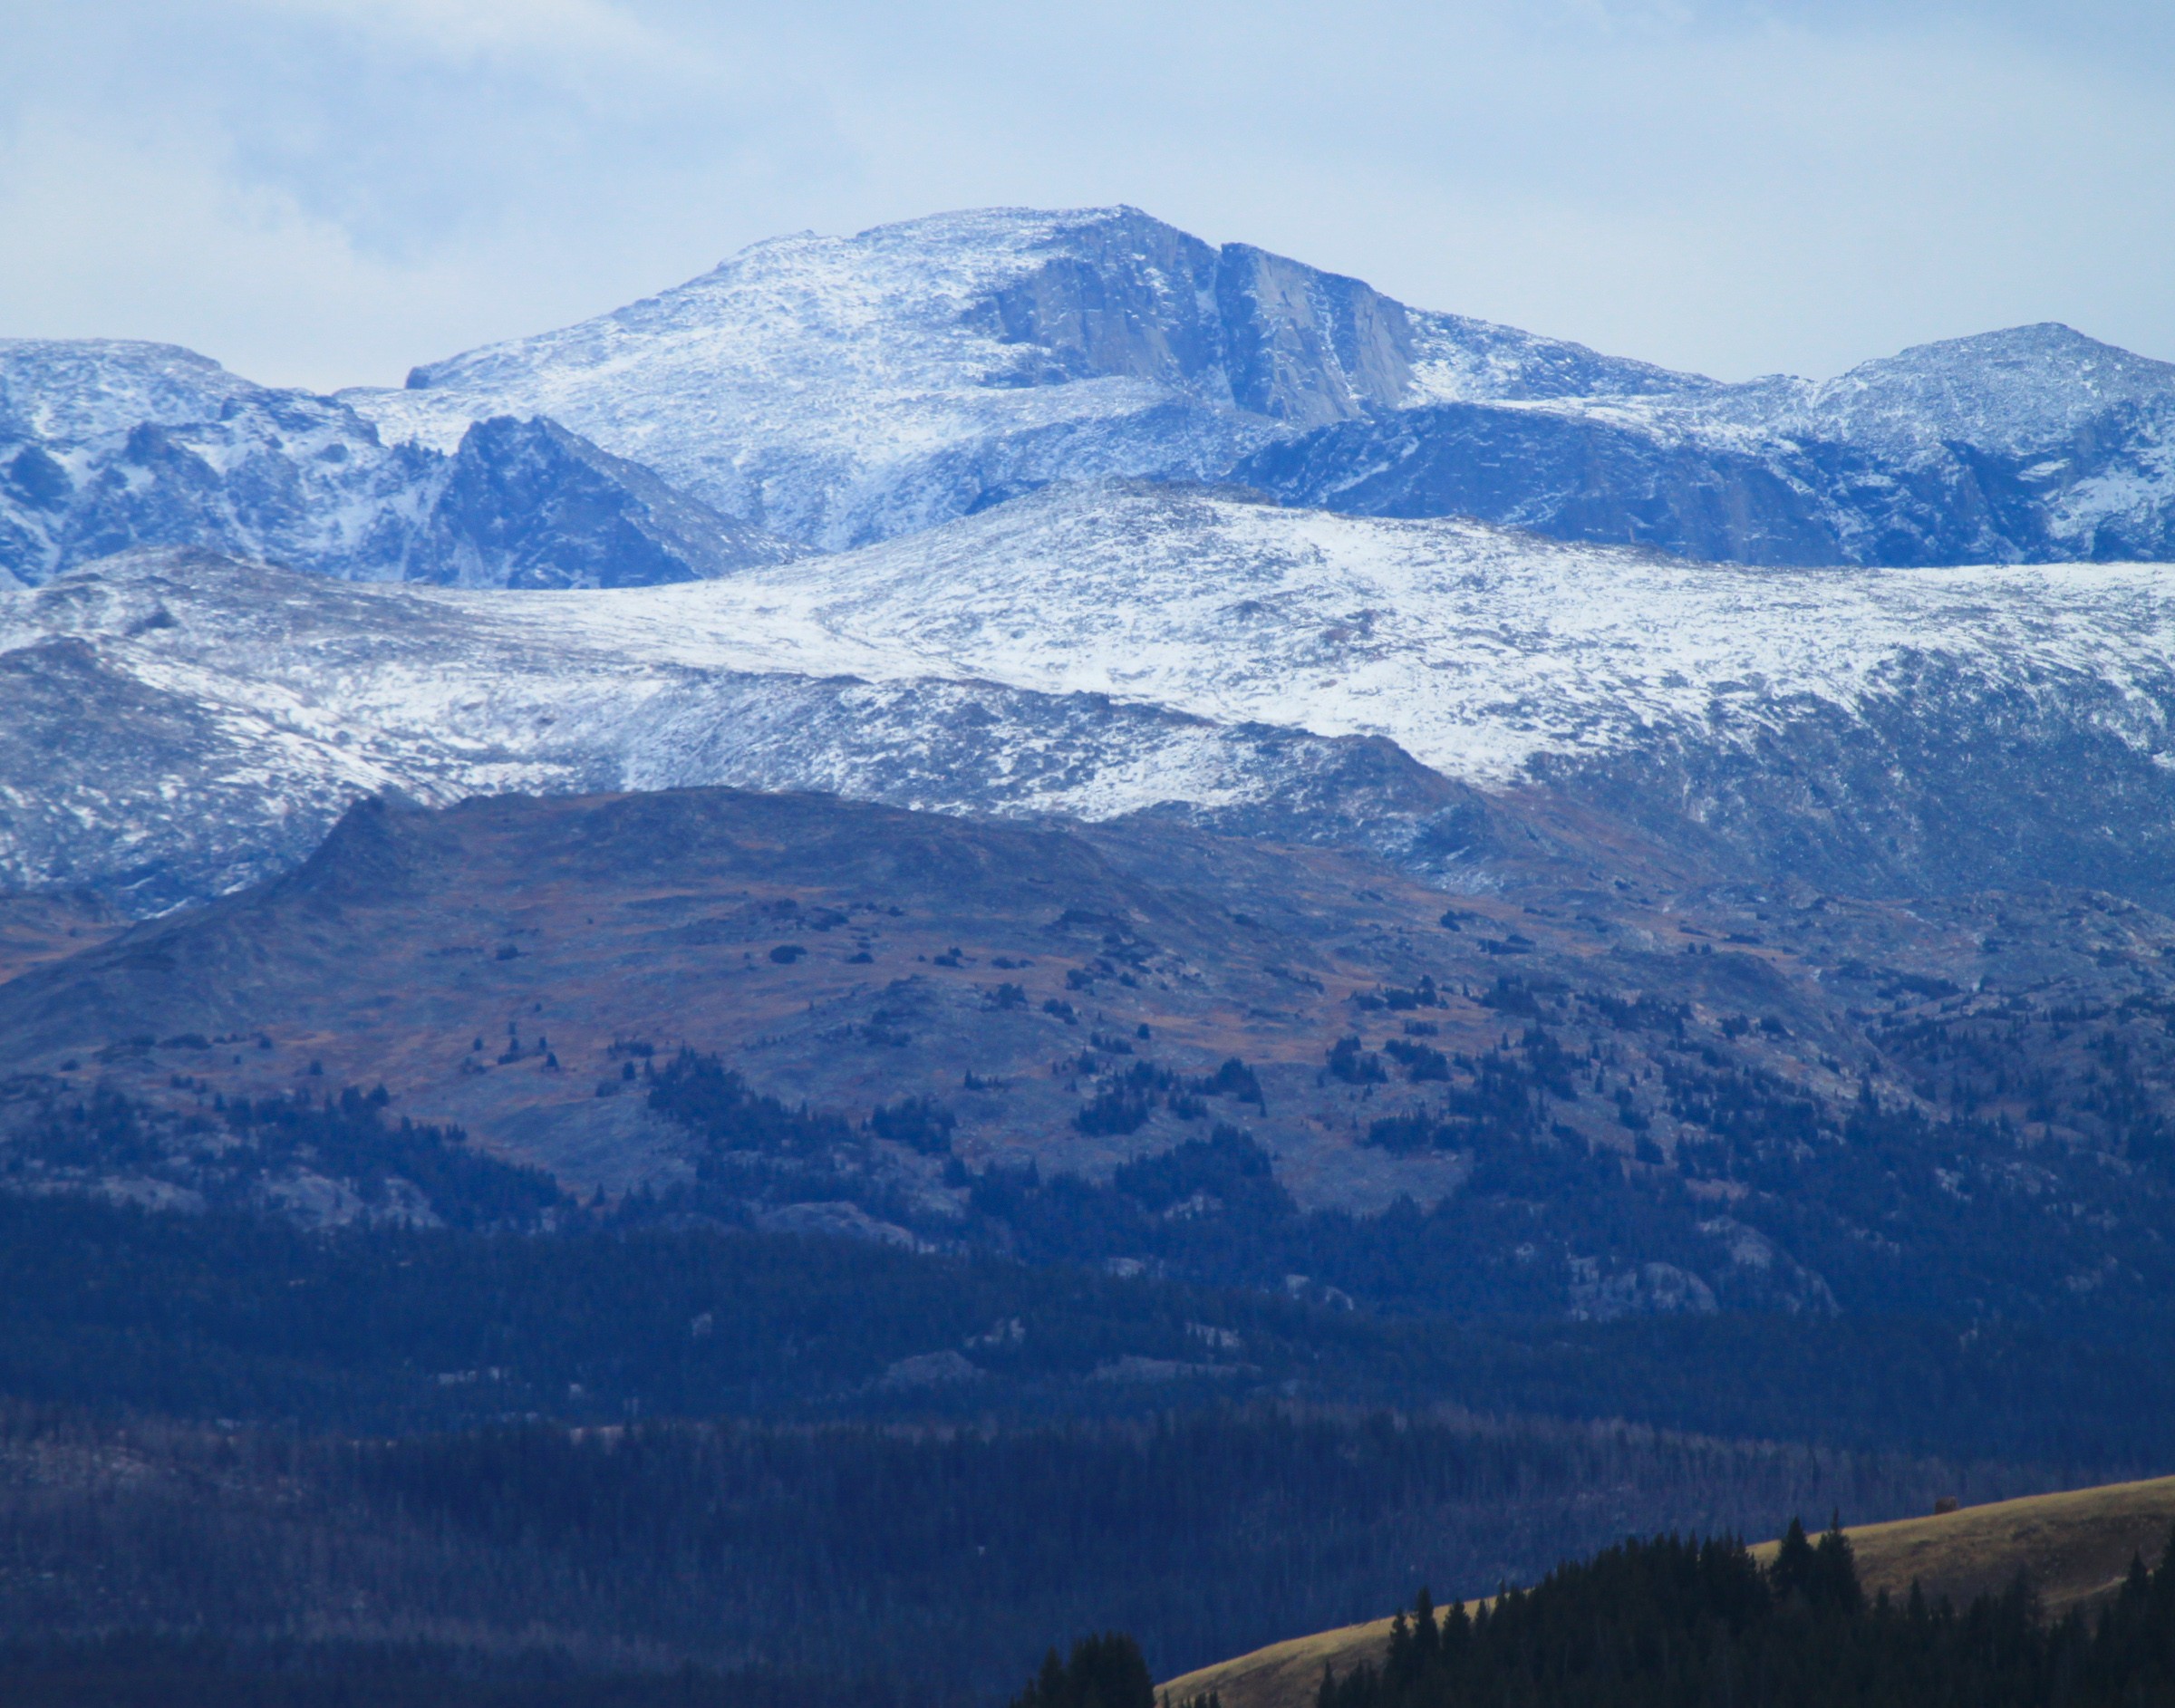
column 232, row 1315
column 1144, row 1049
column 939, row 1558
column 845, row 1250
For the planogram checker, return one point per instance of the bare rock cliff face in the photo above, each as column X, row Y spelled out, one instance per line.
column 106, row 446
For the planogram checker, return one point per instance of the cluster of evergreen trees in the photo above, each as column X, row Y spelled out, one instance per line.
column 231, row 1316
column 225, row 1149
column 714, row 1104
column 1680, row 1623
column 1102, row 1672
column 939, row 1558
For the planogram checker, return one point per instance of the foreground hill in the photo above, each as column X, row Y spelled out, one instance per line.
column 1150, row 1047
column 2076, row 1546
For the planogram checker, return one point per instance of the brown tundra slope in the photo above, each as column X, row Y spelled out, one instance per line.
column 1796, row 1094
column 2075, row 1546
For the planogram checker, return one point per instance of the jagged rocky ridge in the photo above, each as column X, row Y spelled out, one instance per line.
column 179, row 724
column 846, row 390
column 2030, row 445
column 106, row 445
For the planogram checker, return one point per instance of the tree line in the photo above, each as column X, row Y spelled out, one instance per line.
column 942, row 1556
column 1673, row 1623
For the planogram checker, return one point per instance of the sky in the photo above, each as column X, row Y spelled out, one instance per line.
column 325, row 192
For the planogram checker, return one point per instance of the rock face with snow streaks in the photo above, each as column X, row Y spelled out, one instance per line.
column 2032, row 445
column 843, row 390
column 109, row 445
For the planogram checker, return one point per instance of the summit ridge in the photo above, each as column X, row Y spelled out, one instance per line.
column 827, row 392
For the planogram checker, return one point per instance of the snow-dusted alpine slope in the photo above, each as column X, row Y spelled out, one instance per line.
column 1102, row 649
column 107, row 444
column 840, row 390
column 846, row 390
column 1872, row 730
column 1476, row 650
column 174, row 725
column 2033, row 444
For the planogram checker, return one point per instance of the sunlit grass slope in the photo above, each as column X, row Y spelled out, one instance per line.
column 2075, row 1545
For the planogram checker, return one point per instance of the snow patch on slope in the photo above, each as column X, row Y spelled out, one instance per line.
column 1475, row 648
column 1091, row 650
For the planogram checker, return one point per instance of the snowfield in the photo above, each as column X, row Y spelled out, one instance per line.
column 1089, row 650
column 1472, row 648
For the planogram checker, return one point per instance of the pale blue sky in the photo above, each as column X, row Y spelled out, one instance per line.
column 322, row 192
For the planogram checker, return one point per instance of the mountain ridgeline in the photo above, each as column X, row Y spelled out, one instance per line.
column 1020, row 927
column 836, row 392
column 106, row 445
column 928, row 515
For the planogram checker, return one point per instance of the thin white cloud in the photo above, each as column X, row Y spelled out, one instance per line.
column 462, row 32
column 159, row 242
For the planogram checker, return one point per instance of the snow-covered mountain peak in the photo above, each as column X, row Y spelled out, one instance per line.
column 2016, row 390
column 71, row 389
column 841, row 389
column 107, row 444
column 831, row 387
column 886, row 305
